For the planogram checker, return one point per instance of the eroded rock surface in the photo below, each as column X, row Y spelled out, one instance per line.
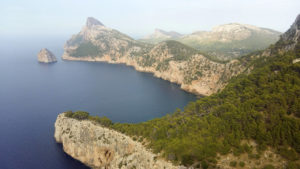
column 100, row 147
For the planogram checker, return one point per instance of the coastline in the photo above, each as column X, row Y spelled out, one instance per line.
column 132, row 63
column 100, row 147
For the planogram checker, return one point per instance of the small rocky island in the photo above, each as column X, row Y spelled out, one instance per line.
column 46, row 56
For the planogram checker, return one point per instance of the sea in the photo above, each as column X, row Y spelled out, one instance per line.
column 32, row 94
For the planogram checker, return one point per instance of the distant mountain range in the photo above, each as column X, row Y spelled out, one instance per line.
column 161, row 35
column 224, row 42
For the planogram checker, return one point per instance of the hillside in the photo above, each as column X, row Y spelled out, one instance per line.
column 262, row 106
column 226, row 41
column 160, row 36
column 252, row 123
column 170, row 60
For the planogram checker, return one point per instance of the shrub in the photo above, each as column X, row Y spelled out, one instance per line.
column 293, row 165
column 269, row 166
column 233, row 163
column 242, row 164
column 81, row 115
column 68, row 113
column 289, row 154
column 204, row 164
column 101, row 120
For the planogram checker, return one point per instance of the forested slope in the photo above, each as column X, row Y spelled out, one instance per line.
column 261, row 106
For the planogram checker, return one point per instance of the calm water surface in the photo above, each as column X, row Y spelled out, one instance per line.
column 33, row 94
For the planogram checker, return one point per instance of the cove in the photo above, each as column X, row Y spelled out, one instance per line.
column 33, row 94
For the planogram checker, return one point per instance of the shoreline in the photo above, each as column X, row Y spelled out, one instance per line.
column 183, row 87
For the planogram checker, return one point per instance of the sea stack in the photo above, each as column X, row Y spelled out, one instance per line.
column 46, row 56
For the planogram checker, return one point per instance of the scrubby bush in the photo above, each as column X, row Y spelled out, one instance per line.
column 242, row 164
column 293, row 165
column 269, row 166
column 81, row 115
column 101, row 120
column 289, row 154
column 68, row 113
column 233, row 163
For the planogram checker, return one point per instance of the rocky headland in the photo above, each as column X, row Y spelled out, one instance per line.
column 170, row 60
column 99, row 147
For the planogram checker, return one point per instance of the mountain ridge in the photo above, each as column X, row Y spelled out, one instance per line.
column 196, row 72
column 226, row 41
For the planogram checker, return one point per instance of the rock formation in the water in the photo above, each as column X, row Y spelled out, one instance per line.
column 46, row 56
column 170, row 60
column 100, row 147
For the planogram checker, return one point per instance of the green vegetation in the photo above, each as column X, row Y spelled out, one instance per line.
column 233, row 49
column 101, row 120
column 263, row 106
column 269, row 166
column 233, row 163
column 241, row 164
column 179, row 50
column 86, row 49
column 79, row 115
column 82, row 115
column 76, row 40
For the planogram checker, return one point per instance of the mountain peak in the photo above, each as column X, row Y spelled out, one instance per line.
column 291, row 36
column 92, row 21
column 297, row 22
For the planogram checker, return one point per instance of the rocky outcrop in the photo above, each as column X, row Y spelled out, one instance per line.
column 100, row 147
column 46, row 56
column 90, row 22
column 292, row 37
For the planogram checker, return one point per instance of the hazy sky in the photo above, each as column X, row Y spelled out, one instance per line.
column 140, row 17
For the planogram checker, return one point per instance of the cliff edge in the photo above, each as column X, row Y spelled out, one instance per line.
column 100, row 147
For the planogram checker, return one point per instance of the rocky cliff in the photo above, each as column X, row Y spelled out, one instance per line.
column 100, row 147
column 170, row 60
column 46, row 56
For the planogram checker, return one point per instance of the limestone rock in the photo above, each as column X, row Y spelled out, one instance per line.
column 99, row 147
column 46, row 56
column 292, row 36
column 92, row 21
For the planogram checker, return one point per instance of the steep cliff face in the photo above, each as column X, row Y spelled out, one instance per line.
column 100, row 147
column 291, row 38
column 168, row 60
column 289, row 41
column 46, row 56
